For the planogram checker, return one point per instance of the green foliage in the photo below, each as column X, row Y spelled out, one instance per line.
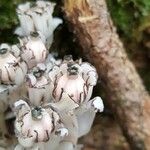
column 8, row 13
column 8, row 20
column 130, row 16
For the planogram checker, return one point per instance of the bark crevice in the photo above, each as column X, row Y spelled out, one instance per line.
column 90, row 22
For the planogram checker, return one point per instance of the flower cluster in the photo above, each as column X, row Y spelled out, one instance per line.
column 53, row 105
column 37, row 17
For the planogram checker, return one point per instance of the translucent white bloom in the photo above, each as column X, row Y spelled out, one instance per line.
column 33, row 50
column 35, row 125
column 12, row 69
column 37, row 17
column 75, row 78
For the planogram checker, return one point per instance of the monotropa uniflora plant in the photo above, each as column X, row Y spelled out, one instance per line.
column 50, row 99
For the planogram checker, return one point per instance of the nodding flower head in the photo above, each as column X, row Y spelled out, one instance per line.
column 12, row 69
column 74, row 78
column 33, row 50
column 35, row 124
column 37, row 17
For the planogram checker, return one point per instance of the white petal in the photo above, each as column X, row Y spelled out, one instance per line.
column 15, row 50
column 20, row 102
column 4, row 45
column 89, row 73
column 63, row 132
column 53, row 73
column 63, row 104
column 98, row 104
column 24, row 7
column 19, row 31
column 26, row 24
column 32, row 79
column 19, row 77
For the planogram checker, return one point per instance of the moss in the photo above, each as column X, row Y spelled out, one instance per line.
column 8, row 13
column 130, row 16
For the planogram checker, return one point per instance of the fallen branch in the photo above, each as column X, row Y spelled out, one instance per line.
column 90, row 22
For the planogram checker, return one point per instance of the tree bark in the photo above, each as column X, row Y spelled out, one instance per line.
column 90, row 22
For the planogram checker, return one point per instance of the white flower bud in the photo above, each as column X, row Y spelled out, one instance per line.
column 75, row 78
column 34, row 125
column 12, row 70
column 33, row 50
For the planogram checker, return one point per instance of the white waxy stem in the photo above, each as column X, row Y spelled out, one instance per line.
column 35, row 125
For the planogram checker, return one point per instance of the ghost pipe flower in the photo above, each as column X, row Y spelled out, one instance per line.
column 37, row 17
column 33, row 50
column 12, row 69
column 59, row 92
column 77, row 79
column 38, row 86
column 35, row 125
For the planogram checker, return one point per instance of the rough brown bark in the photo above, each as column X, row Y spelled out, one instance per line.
column 90, row 22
